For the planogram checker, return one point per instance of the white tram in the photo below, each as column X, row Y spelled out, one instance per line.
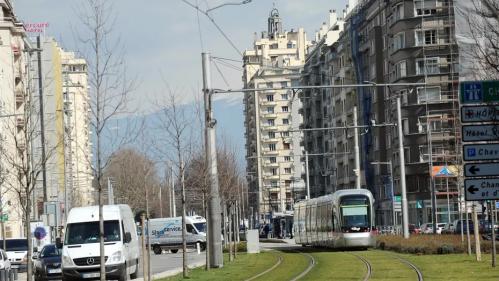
column 344, row 219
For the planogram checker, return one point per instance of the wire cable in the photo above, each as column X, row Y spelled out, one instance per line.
column 221, row 74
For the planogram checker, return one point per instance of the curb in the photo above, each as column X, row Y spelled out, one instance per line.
column 172, row 272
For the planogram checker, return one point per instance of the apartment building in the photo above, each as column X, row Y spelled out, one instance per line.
column 65, row 131
column 398, row 41
column 273, row 150
column 15, row 120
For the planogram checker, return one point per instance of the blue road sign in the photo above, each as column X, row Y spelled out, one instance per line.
column 471, row 92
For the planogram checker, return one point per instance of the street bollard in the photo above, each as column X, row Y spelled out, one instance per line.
column 2, row 275
column 198, row 247
column 14, row 272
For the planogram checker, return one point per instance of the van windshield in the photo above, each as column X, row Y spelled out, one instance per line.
column 88, row 232
column 15, row 244
column 200, row 226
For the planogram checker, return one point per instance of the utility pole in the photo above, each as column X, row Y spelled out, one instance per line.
column 493, row 222
column 405, row 209
column 356, row 150
column 42, row 123
column 214, row 220
column 307, row 175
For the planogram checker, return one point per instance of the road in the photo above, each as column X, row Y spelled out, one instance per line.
column 162, row 263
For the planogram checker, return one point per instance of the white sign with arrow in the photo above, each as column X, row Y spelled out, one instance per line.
column 481, row 189
column 481, row 169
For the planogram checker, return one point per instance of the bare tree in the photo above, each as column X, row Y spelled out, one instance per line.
column 482, row 45
column 177, row 127
column 21, row 166
column 109, row 91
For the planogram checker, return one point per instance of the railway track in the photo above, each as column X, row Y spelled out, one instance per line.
column 411, row 265
column 311, row 265
column 279, row 261
column 367, row 264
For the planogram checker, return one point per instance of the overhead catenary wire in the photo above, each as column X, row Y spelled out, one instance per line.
column 221, row 74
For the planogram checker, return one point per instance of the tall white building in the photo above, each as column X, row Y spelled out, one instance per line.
column 65, row 130
column 273, row 148
column 77, row 130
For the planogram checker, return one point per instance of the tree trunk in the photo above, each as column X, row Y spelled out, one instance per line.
column 27, row 220
column 478, row 251
column 224, row 224
column 207, row 247
column 234, row 225
column 101, row 237
column 229, row 216
column 184, row 228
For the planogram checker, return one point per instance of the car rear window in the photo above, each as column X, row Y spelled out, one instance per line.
column 15, row 244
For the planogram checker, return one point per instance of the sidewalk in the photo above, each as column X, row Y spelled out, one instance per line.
column 173, row 272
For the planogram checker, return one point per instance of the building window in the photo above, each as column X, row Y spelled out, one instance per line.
column 285, row 121
column 284, row 96
column 405, row 126
column 401, row 69
column 285, row 109
column 425, row 7
column 272, row 147
column 287, row 158
column 270, row 85
column 399, row 41
column 273, row 184
column 271, row 135
column 273, row 160
column 285, row 134
column 270, row 110
column 284, row 84
column 270, row 97
column 427, row 66
column 287, row 170
column 398, row 12
column 270, row 122
column 273, row 171
column 426, row 37
column 428, row 95
column 286, row 145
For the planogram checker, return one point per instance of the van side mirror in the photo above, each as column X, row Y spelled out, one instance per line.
column 35, row 250
column 35, row 256
column 128, row 237
column 58, row 242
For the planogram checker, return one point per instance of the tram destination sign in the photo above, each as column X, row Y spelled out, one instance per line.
column 481, row 189
column 481, row 169
column 473, row 133
column 477, row 152
column 473, row 92
column 479, row 113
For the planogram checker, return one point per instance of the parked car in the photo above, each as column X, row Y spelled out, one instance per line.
column 427, row 228
column 414, row 229
column 448, row 228
column 4, row 261
column 485, row 227
column 17, row 252
column 440, row 227
column 47, row 263
column 458, row 224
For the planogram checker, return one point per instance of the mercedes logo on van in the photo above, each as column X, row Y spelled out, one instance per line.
column 90, row 261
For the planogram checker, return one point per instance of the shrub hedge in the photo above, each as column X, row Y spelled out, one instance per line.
column 430, row 244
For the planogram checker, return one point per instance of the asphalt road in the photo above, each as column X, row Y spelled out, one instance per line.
column 162, row 263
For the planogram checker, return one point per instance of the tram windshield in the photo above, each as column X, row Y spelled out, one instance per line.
column 355, row 213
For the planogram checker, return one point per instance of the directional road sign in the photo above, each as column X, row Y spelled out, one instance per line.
column 481, row 132
column 475, row 152
column 481, row 169
column 481, row 189
column 479, row 92
column 479, row 114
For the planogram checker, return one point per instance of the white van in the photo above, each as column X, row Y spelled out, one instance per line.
column 166, row 233
column 17, row 252
column 81, row 252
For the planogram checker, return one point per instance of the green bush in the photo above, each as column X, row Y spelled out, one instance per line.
column 430, row 244
column 241, row 247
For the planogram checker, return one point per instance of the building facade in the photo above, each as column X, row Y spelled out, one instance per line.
column 398, row 41
column 15, row 118
column 273, row 142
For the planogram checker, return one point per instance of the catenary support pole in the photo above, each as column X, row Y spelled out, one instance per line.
column 42, row 123
column 405, row 209
column 493, row 224
column 307, row 175
column 214, row 220
column 174, row 204
column 356, row 150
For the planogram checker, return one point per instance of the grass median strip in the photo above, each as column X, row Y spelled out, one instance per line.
column 336, row 266
column 291, row 266
column 245, row 266
column 387, row 267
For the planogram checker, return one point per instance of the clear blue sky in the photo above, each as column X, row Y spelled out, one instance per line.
column 163, row 41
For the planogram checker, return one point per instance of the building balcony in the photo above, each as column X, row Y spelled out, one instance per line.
column 269, row 140
column 268, row 127
column 20, row 122
column 268, row 114
column 269, row 176
column 19, row 96
column 270, row 152
column 269, row 164
column 268, row 103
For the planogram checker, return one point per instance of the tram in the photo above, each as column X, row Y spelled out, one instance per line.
column 344, row 219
